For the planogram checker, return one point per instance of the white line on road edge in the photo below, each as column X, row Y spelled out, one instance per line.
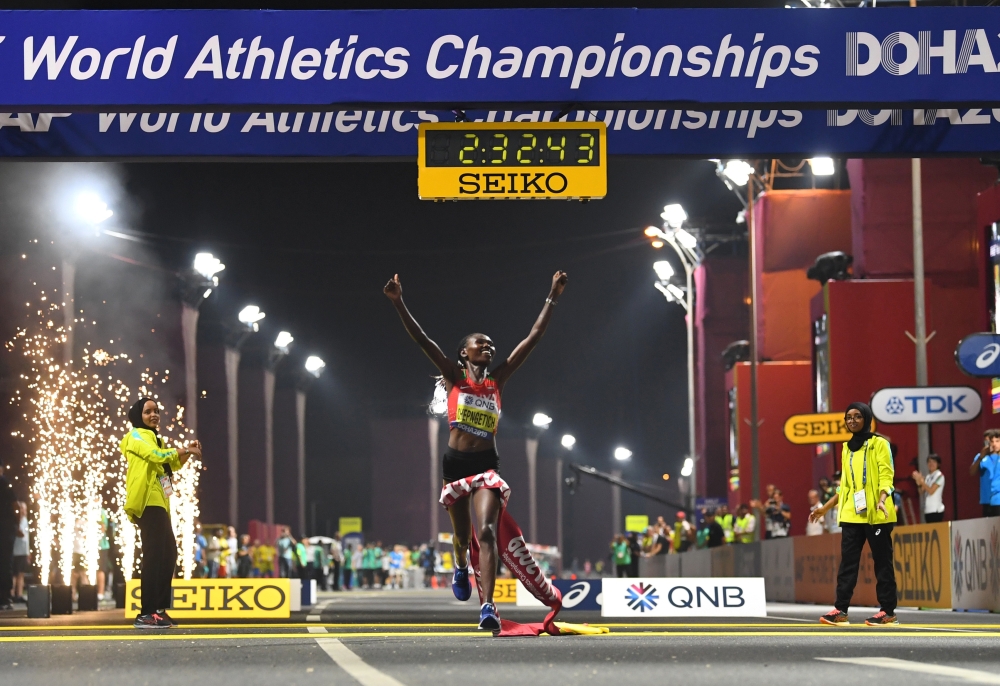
column 317, row 630
column 314, row 616
column 970, row 675
column 363, row 672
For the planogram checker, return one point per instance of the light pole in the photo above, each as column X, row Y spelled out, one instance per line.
column 690, row 254
column 540, row 422
column 197, row 284
column 567, row 442
column 313, row 369
column 278, row 351
column 437, row 409
column 249, row 323
column 89, row 209
column 621, row 455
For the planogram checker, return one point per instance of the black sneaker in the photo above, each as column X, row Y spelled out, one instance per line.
column 151, row 621
column 882, row 618
column 170, row 620
column 835, row 618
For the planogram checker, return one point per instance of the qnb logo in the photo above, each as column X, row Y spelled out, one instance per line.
column 641, row 596
column 900, row 53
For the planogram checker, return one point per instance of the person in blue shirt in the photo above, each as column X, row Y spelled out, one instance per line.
column 986, row 466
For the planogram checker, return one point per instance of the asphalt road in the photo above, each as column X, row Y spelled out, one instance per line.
column 426, row 637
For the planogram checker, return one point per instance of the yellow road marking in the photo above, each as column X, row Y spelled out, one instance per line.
column 467, row 634
column 698, row 625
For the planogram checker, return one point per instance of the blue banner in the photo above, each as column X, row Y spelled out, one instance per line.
column 216, row 59
column 393, row 133
column 979, row 355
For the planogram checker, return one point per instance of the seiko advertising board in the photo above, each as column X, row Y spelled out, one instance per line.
column 929, row 404
column 220, row 598
column 979, row 354
column 827, row 427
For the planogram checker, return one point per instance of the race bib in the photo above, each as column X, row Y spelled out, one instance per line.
column 478, row 412
column 168, row 487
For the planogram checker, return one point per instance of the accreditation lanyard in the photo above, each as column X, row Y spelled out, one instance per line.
column 860, row 499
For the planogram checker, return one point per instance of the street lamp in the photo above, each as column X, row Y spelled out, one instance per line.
column 196, row 285
column 283, row 340
column 540, row 422
column 237, row 334
column 250, row 316
column 622, row 454
column 822, row 166
column 568, row 441
column 310, row 371
column 91, row 209
column 314, row 365
column 685, row 244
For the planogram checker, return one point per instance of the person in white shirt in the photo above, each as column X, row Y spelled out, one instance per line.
column 932, row 486
column 234, row 546
column 814, row 528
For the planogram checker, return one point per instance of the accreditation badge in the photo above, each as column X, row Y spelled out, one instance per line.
column 167, row 484
column 860, row 502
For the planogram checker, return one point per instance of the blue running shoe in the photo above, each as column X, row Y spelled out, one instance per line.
column 488, row 619
column 460, row 585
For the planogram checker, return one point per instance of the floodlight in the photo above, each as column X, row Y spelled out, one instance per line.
column 439, row 402
column 314, row 365
column 251, row 315
column 91, row 209
column 685, row 239
column 738, row 172
column 688, row 468
column 822, row 166
column 283, row 340
column 674, row 215
column 622, row 454
column 568, row 441
column 657, row 244
column 676, row 292
column 206, row 264
column 652, row 231
column 664, row 272
column 541, row 420
column 208, row 292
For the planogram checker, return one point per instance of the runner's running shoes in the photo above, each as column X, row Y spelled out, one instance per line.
column 834, row 618
column 882, row 618
column 488, row 618
column 460, row 584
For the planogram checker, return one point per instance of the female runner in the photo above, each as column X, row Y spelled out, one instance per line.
column 473, row 415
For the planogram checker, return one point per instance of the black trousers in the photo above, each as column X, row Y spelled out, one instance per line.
column 852, row 542
column 7, row 536
column 991, row 510
column 159, row 556
column 933, row 517
column 335, row 573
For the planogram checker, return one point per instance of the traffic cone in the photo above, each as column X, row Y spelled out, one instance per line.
column 434, row 581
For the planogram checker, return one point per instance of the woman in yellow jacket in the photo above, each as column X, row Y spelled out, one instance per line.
column 147, row 503
column 866, row 514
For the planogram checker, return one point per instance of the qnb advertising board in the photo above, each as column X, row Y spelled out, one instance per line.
column 193, row 59
column 929, row 404
column 393, row 132
column 680, row 597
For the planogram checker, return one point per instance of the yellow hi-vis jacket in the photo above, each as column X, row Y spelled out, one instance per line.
column 880, row 472
column 726, row 522
column 145, row 467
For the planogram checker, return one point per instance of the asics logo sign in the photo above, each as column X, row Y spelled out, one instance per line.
column 988, row 356
column 929, row 52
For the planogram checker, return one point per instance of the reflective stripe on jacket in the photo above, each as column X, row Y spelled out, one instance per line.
column 145, row 460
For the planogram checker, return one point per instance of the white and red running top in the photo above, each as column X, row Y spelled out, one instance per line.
column 474, row 407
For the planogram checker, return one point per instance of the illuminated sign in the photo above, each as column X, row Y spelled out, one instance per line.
column 928, row 404
column 827, row 427
column 220, row 598
column 512, row 160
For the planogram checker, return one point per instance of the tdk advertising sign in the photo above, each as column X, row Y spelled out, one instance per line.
column 200, row 60
column 930, row 404
column 979, row 354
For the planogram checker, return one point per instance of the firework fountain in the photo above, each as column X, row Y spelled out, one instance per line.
column 75, row 415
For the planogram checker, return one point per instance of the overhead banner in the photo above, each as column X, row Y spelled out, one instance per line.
column 241, row 59
column 695, row 597
column 978, row 354
column 928, row 404
column 393, row 133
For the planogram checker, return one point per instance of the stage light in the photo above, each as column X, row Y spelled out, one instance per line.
column 664, row 272
column 283, row 340
column 541, row 420
column 314, row 365
column 822, row 166
column 91, row 209
column 674, row 215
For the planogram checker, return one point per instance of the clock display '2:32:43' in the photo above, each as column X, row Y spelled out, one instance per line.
column 522, row 148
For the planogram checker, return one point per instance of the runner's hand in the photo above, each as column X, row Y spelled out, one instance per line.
column 394, row 289
column 559, row 280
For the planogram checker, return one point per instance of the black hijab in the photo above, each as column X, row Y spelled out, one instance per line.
column 135, row 416
column 858, row 439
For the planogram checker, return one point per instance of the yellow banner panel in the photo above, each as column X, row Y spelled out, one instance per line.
column 827, row 427
column 221, row 598
column 505, row 591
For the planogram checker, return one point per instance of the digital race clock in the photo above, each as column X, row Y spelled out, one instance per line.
column 512, row 160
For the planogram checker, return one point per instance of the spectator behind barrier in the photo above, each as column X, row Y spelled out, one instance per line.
column 986, row 465
column 814, row 528
column 932, row 488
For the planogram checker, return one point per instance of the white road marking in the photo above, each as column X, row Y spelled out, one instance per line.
column 970, row 675
column 317, row 611
column 363, row 672
column 317, row 629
